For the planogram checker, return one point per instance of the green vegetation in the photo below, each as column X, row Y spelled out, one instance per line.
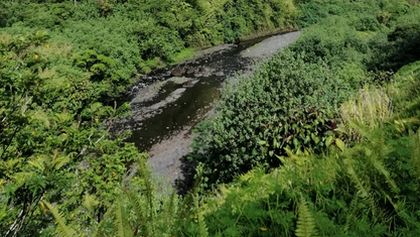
column 322, row 140
column 369, row 189
column 63, row 64
column 53, row 142
column 291, row 104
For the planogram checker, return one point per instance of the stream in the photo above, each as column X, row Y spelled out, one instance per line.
column 167, row 104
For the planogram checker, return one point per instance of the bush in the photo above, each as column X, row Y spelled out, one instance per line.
column 54, row 145
column 368, row 189
column 403, row 44
column 291, row 103
column 287, row 105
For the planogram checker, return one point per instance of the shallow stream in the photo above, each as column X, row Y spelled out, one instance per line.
column 167, row 104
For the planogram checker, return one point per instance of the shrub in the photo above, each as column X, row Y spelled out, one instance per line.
column 54, row 146
column 291, row 103
column 402, row 43
column 286, row 105
column 368, row 189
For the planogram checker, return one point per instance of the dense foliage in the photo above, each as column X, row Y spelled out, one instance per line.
column 291, row 104
column 370, row 189
column 63, row 64
column 329, row 111
column 53, row 144
column 138, row 35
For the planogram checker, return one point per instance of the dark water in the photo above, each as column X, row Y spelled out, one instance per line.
column 195, row 101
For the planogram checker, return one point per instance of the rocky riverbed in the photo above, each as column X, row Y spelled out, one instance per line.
column 167, row 104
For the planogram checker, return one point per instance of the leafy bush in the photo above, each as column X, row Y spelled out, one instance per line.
column 291, row 103
column 360, row 192
column 369, row 189
column 54, row 146
column 286, row 105
column 385, row 12
column 403, row 43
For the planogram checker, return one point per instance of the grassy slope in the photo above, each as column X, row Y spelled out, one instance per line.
column 368, row 189
column 292, row 103
column 384, row 184
column 62, row 64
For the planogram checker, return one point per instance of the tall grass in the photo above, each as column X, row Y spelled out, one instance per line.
column 369, row 109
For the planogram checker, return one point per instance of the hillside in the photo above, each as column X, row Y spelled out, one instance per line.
column 320, row 140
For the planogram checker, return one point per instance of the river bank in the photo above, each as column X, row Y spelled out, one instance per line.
column 167, row 104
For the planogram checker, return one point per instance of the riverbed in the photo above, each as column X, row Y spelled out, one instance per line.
column 167, row 104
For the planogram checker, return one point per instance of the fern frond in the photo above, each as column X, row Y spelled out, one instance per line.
column 63, row 229
column 138, row 208
column 305, row 223
column 380, row 167
column 149, row 194
column 202, row 227
column 209, row 8
column 415, row 157
column 121, row 221
column 362, row 191
column 169, row 213
column 363, row 188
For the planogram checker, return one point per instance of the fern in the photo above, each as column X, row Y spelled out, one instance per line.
column 202, row 227
column 138, row 208
column 210, row 8
column 380, row 167
column 169, row 213
column 149, row 195
column 63, row 230
column 305, row 223
column 362, row 189
column 415, row 158
column 122, row 224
